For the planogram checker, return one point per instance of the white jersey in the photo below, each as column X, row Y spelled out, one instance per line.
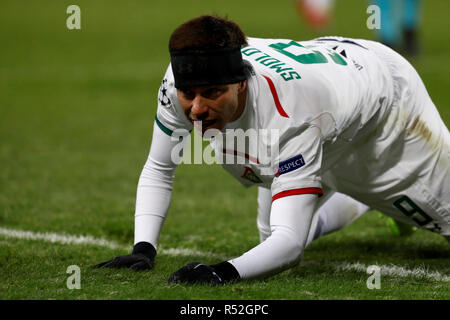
column 340, row 108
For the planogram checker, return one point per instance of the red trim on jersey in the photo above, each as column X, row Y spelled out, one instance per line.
column 275, row 97
column 293, row 192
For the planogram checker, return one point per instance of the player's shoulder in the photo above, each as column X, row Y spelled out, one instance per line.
column 167, row 91
column 289, row 97
column 280, row 108
column 290, row 91
column 170, row 115
column 293, row 64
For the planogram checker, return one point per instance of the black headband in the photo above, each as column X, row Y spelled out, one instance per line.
column 195, row 68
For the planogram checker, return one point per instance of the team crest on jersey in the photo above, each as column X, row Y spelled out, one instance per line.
column 163, row 98
column 289, row 165
column 250, row 175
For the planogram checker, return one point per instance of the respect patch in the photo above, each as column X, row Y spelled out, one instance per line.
column 289, row 165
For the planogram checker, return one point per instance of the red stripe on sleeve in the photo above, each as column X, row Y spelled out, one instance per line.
column 293, row 192
column 275, row 97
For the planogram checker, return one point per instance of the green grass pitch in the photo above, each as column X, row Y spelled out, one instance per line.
column 76, row 117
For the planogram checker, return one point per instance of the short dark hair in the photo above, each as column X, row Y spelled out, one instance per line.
column 207, row 32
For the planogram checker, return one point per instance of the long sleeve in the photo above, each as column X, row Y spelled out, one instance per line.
column 290, row 222
column 154, row 189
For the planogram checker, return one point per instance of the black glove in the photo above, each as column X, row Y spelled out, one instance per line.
column 142, row 258
column 202, row 273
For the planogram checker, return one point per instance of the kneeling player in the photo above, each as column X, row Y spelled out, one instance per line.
column 356, row 128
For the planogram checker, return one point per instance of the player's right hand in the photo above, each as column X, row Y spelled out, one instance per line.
column 142, row 258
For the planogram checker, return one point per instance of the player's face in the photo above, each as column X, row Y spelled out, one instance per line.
column 214, row 106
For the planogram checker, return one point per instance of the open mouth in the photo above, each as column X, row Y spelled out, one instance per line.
column 208, row 123
column 204, row 125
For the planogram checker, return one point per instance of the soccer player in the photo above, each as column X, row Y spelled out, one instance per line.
column 356, row 130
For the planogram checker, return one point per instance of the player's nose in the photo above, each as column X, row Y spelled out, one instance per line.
column 199, row 107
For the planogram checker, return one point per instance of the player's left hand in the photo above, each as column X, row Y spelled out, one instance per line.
column 202, row 273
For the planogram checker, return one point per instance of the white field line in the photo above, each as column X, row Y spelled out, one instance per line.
column 58, row 238
column 393, row 270
column 388, row 270
column 89, row 240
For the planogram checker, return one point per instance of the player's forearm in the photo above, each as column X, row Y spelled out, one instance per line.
column 274, row 255
column 152, row 203
column 291, row 219
column 154, row 190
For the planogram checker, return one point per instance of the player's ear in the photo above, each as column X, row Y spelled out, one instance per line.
column 242, row 85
